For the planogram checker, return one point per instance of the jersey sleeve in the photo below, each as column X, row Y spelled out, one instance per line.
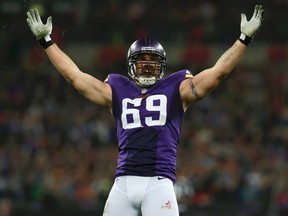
column 111, row 79
column 181, row 75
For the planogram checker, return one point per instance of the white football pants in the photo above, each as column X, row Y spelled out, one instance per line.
column 146, row 196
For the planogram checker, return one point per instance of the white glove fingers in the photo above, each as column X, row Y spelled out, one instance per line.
column 260, row 13
column 49, row 20
column 255, row 11
column 29, row 16
column 38, row 18
column 29, row 22
column 37, row 27
column 33, row 16
column 243, row 18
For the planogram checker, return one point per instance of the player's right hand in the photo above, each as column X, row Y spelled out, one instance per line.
column 36, row 25
column 251, row 27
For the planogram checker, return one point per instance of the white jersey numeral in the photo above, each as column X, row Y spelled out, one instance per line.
column 161, row 108
column 154, row 103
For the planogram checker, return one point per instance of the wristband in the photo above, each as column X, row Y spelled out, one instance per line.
column 46, row 41
column 245, row 39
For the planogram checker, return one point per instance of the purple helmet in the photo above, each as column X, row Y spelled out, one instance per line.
column 146, row 46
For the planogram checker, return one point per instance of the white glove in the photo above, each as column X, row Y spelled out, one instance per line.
column 42, row 32
column 251, row 27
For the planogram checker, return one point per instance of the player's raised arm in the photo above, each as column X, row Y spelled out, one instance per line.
column 93, row 89
column 204, row 82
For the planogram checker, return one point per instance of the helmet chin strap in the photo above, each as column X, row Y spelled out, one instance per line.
column 146, row 81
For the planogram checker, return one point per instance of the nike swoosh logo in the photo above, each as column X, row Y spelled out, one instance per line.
column 160, row 178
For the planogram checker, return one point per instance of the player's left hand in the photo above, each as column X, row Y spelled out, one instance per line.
column 36, row 25
column 251, row 27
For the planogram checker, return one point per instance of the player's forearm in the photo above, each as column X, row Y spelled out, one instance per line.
column 230, row 59
column 62, row 63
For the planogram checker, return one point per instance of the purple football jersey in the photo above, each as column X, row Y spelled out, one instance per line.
column 148, row 124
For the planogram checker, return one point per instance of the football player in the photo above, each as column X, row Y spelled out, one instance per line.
column 148, row 109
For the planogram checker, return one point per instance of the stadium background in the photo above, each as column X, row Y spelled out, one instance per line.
column 58, row 151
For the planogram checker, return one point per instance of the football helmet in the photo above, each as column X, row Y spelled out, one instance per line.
column 146, row 71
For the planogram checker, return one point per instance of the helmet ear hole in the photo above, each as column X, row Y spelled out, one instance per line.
column 132, row 69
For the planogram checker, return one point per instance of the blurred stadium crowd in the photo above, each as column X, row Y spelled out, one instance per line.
column 58, row 151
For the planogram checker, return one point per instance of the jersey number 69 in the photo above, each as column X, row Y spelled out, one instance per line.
column 134, row 113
